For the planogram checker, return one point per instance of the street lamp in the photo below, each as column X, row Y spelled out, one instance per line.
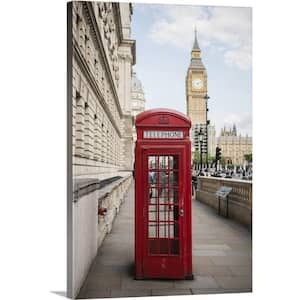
column 206, row 97
column 200, row 135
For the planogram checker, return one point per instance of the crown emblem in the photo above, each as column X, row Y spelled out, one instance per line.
column 163, row 120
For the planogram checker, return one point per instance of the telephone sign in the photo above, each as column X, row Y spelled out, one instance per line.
column 163, row 134
column 163, row 245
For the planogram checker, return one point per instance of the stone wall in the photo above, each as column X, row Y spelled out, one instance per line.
column 111, row 198
column 239, row 200
column 89, row 227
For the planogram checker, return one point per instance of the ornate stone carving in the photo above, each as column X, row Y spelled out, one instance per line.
column 81, row 36
column 115, row 64
column 101, row 10
column 96, row 68
column 83, row 90
column 125, row 57
column 109, row 32
column 77, row 8
column 88, row 50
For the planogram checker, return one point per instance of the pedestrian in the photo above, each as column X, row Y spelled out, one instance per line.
column 194, row 184
column 151, row 178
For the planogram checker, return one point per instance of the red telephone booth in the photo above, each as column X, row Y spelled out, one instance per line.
column 163, row 245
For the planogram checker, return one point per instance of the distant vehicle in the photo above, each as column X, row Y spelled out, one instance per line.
column 216, row 174
column 237, row 176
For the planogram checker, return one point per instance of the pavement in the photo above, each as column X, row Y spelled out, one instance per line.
column 222, row 259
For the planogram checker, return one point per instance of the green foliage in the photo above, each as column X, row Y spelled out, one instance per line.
column 211, row 159
column 222, row 161
column 196, row 157
column 248, row 157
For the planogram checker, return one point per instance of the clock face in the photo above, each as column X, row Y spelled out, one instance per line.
column 197, row 83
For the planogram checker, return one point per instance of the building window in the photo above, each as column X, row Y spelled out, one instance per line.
column 77, row 20
column 86, row 129
column 86, row 39
column 79, row 125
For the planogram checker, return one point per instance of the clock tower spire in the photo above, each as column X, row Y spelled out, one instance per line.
column 196, row 95
column 196, row 45
column 196, row 86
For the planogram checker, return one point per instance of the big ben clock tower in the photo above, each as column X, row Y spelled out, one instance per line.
column 196, row 98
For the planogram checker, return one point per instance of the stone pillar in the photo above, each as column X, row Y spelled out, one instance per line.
column 128, row 142
column 125, row 63
column 124, row 91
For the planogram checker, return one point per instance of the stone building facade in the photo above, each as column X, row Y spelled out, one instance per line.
column 103, row 56
column 211, row 139
column 137, row 96
column 138, row 99
column 102, row 140
column 234, row 146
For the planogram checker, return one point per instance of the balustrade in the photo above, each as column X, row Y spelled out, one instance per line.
column 239, row 200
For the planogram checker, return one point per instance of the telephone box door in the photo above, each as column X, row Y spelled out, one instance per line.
column 163, row 213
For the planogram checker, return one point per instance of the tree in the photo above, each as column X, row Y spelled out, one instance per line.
column 248, row 157
column 211, row 159
column 222, row 161
column 196, row 158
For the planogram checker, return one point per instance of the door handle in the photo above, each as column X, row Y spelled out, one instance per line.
column 181, row 212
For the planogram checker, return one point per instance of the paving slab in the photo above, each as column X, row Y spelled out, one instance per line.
column 130, row 293
column 209, row 253
column 202, row 260
column 241, row 270
column 236, row 253
column 231, row 260
column 98, row 268
column 207, row 282
column 102, row 282
column 242, row 246
column 171, row 292
column 95, row 294
column 219, row 291
column 118, row 261
column 130, row 283
column 212, row 270
column 211, row 247
column 237, row 283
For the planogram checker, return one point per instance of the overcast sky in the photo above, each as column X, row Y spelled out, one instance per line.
column 164, row 37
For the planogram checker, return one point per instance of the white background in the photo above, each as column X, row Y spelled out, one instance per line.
column 33, row 149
